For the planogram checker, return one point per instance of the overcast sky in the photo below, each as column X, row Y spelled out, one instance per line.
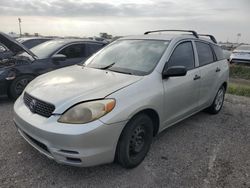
column 223, row 18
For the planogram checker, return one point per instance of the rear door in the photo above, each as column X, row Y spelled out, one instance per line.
column 209, row 70
column 181, row 94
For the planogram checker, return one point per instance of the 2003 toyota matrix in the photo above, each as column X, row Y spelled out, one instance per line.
column 111, row 107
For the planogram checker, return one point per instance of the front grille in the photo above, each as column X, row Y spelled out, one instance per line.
column 37, row 106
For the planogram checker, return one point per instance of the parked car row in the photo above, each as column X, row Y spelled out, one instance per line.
column 26, row 64
column 111, row 107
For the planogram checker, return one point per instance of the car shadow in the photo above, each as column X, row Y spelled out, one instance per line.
column 5, row 100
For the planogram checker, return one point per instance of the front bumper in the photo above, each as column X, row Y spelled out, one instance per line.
column 78, row 145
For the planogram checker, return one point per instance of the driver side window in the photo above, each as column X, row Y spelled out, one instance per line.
column 183, row 55
column 74, row 51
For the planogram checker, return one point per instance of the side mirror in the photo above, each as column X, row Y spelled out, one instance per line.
column 59, row 57
column 174, row 71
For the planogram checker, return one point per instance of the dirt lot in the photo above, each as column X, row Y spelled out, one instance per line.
column 202, row 151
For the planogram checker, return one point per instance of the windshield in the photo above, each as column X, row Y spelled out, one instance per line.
column 243, row 47
column 45, row 49
column 137, row 57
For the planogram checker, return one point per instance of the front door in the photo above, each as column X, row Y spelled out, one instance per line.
column 75, row 53
column 181, row 94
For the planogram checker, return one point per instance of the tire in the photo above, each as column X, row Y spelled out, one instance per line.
column 18, row 85
column 135, row 141
column 218, row 101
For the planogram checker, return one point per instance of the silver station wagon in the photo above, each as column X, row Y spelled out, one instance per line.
column 110, row 108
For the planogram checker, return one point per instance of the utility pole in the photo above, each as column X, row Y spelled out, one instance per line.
column 238, row 37
column 19, row 21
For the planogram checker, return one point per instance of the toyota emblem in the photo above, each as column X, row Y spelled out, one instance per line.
column 33, row 106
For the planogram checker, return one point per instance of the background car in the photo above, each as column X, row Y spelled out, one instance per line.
column 30, row 42
column 17, row 72
column 241, row 55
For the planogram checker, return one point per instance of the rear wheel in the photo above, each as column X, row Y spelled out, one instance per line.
column 135, row 141
column 218, row 101
column 18, row 85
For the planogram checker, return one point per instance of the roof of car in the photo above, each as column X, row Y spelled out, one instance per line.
column 72, row 40
column 32, row 38
column 167, row 37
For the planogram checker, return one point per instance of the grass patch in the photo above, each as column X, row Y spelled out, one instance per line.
column 240, row 71
column 239, row 89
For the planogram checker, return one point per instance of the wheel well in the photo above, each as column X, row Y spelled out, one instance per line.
column 225, row 85
column 17, row 76
column 154, row 116
column 155, row 119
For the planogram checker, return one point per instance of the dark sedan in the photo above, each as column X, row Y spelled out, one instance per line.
column 17, row 71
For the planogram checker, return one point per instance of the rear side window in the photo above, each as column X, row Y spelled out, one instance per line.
column 183, row 55
column 218, row 52
column 33, row 42
column 92, row 48
column 205, row 53
column 74, row 51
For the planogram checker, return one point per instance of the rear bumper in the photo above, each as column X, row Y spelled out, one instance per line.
column 77, row 145
column 240, row 60
column 234, row 58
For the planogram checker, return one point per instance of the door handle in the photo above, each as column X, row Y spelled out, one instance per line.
column 217, row 69
column 197, row 77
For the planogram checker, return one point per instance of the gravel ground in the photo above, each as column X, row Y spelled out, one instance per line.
column 202, row 151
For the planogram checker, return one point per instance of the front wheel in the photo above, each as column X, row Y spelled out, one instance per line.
column 18, row 85
column 135, row 141
column 218, row 101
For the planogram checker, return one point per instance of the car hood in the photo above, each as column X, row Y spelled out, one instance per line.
column 15, row 61
column 13, row 45
column 68, row 86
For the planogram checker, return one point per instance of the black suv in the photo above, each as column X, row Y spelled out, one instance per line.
column 16, row 72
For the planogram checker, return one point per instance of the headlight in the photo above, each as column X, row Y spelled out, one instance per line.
column 2, row 71
column 87, row 111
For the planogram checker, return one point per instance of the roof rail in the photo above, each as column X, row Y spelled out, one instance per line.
column 210, row 36
column 189, row 31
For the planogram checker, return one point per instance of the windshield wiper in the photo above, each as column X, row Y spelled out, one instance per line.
column 121, row 72
column 108, row 66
